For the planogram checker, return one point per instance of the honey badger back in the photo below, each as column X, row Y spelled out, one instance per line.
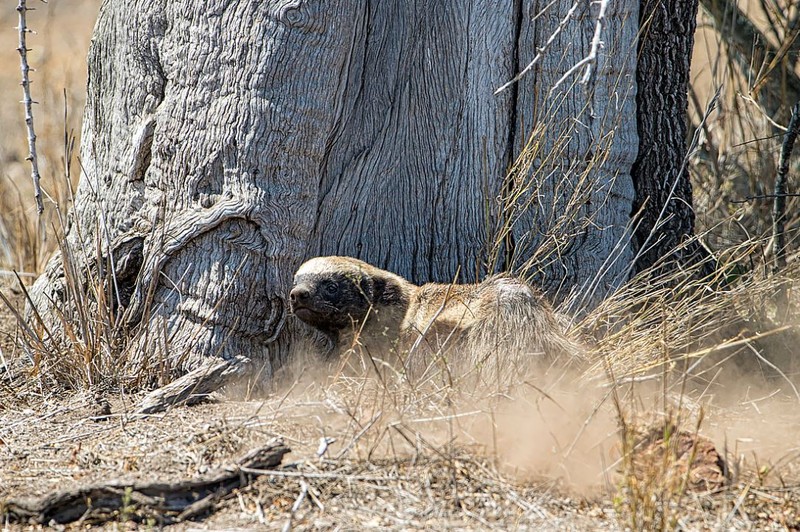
column 497, row 328
column 517, row 329
column 501, row 323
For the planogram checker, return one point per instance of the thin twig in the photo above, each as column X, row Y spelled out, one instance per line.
column 739, row 501
column 779, row 205
column 375, row 418
column 540, row 51
column 331, row 476
column 765, row 196
column 590, row 60
column 22, row 9
column 712, row 105
column 775, row 368
column 296, row 506
column 763, row 113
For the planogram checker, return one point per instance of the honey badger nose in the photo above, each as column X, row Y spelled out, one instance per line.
column 299, row 294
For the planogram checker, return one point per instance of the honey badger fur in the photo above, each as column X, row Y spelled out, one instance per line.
column 356, row 304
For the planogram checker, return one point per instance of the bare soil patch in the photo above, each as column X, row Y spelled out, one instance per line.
column 58, row 444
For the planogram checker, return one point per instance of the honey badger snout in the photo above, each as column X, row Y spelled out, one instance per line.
column 299, row 294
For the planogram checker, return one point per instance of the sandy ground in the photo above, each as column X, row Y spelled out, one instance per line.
column 61, row 447
column 383, row 470
column 51, row 442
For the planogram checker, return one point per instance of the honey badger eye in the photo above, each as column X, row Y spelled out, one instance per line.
column 331, row 289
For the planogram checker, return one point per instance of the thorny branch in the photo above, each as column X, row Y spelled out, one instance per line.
column 22, row 10
column 779, row 203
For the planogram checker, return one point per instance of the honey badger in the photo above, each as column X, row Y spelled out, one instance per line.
column 356, row 304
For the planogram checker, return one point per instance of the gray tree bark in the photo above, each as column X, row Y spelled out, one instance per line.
column 225, row 142
column 577, row 144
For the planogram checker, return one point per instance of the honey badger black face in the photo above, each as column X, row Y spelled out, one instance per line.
column 331, row 301
column 338, row 295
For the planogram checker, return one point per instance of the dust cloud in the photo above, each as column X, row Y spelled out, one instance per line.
column 549, row 425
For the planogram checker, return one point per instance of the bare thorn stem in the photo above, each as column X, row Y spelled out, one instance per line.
column 28, row 102
column 779, row 204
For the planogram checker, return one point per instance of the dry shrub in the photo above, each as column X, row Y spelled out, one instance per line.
column 674, row 344
column 669, row 344
column 77, row 345
column 678, row 321
column 758, row 77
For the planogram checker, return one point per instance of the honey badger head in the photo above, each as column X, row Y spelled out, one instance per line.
column 333, row 294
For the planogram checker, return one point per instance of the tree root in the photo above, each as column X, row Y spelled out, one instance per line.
column 212, row 375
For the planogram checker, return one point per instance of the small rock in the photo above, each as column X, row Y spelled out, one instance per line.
column 707, row 471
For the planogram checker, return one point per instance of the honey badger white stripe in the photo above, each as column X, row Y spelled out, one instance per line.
column 353, row 302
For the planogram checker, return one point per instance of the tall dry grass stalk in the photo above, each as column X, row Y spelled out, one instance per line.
column 748, row 51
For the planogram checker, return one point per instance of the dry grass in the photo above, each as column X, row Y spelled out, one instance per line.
column 539, row 454
column 547, row 452
column 58, row 52
column 738, row 155
column 398, row 459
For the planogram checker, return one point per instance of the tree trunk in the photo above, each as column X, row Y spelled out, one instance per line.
column 577, row 144
column 663, row 206
column 224, row 144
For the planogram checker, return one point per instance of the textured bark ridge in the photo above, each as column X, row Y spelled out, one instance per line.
column 415, row 178
column 660, row 176
column 224, row 142
column 205, row 128
column 419, row 154
column 572, row 230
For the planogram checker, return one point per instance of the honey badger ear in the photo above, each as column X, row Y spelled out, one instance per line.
column 387, row 291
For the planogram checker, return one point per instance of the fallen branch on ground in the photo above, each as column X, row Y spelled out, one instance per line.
column 164, row 503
